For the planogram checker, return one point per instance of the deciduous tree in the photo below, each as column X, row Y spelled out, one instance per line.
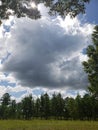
column 28, row 8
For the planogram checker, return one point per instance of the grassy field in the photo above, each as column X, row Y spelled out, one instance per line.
column 47, row 125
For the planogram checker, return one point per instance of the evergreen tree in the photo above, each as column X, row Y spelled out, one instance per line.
column 54, row 106
column 5, row 102
column 72, row 108
column 45, row 106
column 87, row 107
column 12, row 109
column 60, row 106
column 79, row 105
column 19, row 111
column 66, row 110
column 27, row 107
column 57, row 106
column 5, row 99
column 91, row 65
column 42, row 106
column 37, row 107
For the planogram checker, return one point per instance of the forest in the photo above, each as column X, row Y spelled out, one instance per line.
column 56, row 106
column 46, row 107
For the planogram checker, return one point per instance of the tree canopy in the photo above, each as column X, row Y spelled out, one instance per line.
column 28, row 8
column 46, row 107
column 91, row 65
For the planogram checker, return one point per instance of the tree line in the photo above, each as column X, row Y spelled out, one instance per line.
column 56, row 107
column 46, row 107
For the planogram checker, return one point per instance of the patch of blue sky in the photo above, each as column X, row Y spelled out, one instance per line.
column 12, row 23
column 6, row 28
column 5, row 58
column 6, row 74
column 72, row 92
column 84, row 51
column 38, row 92
column 18, row 94
column 90, row 15
column 91, row 12
column 7, row 83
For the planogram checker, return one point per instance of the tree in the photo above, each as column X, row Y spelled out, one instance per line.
column 5, row 99
column 83, row 108
column 60, row 106
column 5, row 102
column 91, row 65
column 45, row 106
column 57, row 106
column 54, row 106
column 27, row 107
column 79, row 105
column 66, row 109
column 42, row 106
column 87, row 107
column 37, row 107
column 72, row 108
column 72, row 7
column 12, row 109
column 22, row 8
column 19, row 114
column 18, row 8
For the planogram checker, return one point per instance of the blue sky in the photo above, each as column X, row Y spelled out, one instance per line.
column 45, row 55
column 91, row 12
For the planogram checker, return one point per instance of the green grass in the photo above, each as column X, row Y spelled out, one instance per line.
column 47, row 125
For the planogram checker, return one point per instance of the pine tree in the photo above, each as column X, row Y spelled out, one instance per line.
column 91, row 65
column 12, row 109
column 54, row 106
column 37, row 107
column 45, row 106
column 5, row 102
column 27, row 107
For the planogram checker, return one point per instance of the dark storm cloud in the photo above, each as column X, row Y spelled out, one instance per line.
column 44, row 55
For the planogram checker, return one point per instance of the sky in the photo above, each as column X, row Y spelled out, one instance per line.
column 45, row 55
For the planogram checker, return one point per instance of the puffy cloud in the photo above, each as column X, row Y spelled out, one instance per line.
column 4, row 35
column 47, row 52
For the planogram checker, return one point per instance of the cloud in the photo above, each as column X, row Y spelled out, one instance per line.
column 47, row 52
column 4, row 35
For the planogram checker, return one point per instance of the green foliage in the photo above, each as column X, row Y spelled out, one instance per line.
column 59, row 106
column 12, row 109
column 18, row 8
column 37, row 108
column 91, row 66
column 56, row 107
column 4, row 108
column 5, row 99
column 27, row 107
column 22, row 8
column 45, row 106
column 72, row 7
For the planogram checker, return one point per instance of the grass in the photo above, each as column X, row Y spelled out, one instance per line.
column 47, row 125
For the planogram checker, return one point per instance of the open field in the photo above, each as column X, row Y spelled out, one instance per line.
column 47, row 125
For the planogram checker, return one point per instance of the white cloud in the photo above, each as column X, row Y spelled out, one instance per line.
column 47, row 52
column 46, row 55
